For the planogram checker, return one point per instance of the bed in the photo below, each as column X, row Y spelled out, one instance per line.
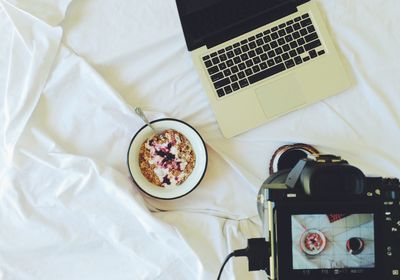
column 70, row 74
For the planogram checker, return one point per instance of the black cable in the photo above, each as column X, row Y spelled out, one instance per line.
column 223, row 265
column 257, row 252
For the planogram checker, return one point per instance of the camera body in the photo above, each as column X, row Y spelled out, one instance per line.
column 326, row 220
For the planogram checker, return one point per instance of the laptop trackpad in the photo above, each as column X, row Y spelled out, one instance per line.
column 281, row 96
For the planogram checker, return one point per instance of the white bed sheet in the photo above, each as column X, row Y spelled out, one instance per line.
column 70, row 73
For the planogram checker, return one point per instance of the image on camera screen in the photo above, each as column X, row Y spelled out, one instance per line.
column 333, row 241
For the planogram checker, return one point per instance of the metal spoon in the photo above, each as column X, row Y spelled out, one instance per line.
column 140, row 113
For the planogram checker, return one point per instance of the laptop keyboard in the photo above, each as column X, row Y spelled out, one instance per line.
column 263, row 55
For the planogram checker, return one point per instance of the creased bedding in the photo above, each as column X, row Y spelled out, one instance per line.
column 70, row 73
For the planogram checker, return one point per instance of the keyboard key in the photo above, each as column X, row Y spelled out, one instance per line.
column 293, row 44
column 235, row 86
column 289, row 29
column 312, row 45
column 264, row 57
column 267, row 39
column 228, row 48
column 298, row 60
column 305, row 16
column 305, row 22
column 208, row 63
column 275, row 28
column 256, row 68
column 303, row 32
column 274, row 36
column 311, row 37
column 252, row 53
column 236, row 45
column 292, row 53
column 266, row 73
column 234, row 69
column 282, row 25
column 289, row 63
column 241, row 75
column 252, row 45
column 286, row 47
column 313, row 53
column 223, row 57
column 243, row 42
column 234, row 78
column 245, row 48
column 281, row 41
column 222, row 66
column 307, row 58
column 221, row 83
column 310, row 29
column 213, row 54
column 260, row 42
column 271, row 62
column 296, row 35
column 252, row 38
column 282, row 32
column 274, row 44
column 249, row 63
column 259, row 50
column 266, row 47
column 263, row 65
column 289, row 22
column 215, row 60
column 256, row 60
column 227, row 72
column 289, row 38
column 237, row 51
column 213, row 70
column 217, row 76
column 259, row 35
column 266, row 32
column 230, row 54
column 321, row 52
column 221, row 51
column 243, row 83
column 227, row 89
column 206, row 57
column 244, row 57
column 285, row 56
column 242, row 66
column 296, row 26
column 220, row 92
column 297, row 19
column 301, row 41
column 271, row 53
column 278, row 59
column 278, row 50
column 300, row 50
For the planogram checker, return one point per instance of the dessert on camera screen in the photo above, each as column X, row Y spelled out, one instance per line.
column 333, row 241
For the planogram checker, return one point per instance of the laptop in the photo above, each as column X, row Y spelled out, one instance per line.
column 260, row 59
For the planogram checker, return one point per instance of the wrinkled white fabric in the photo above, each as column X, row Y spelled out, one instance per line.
column 70, row 72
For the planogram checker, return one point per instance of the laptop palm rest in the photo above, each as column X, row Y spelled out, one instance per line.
column 281, row 96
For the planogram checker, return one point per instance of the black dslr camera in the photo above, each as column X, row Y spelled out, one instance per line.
column 324, row 219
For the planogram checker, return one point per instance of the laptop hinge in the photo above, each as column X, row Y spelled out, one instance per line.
column 247, row 25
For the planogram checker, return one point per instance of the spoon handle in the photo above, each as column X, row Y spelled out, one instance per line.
column 140, row 113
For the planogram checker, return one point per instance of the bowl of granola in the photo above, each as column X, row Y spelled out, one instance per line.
column 169, row 164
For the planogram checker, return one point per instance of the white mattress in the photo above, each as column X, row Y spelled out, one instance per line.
column 70, row 73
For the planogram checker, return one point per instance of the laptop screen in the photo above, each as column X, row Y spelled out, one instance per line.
column 225, row 19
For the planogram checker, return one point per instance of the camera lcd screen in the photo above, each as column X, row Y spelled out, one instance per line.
column 333, row 241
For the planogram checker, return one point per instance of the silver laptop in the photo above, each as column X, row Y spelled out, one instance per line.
column 260, row 59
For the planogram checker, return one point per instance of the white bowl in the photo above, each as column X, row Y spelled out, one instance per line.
column 303, row 240
column 194, row 178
